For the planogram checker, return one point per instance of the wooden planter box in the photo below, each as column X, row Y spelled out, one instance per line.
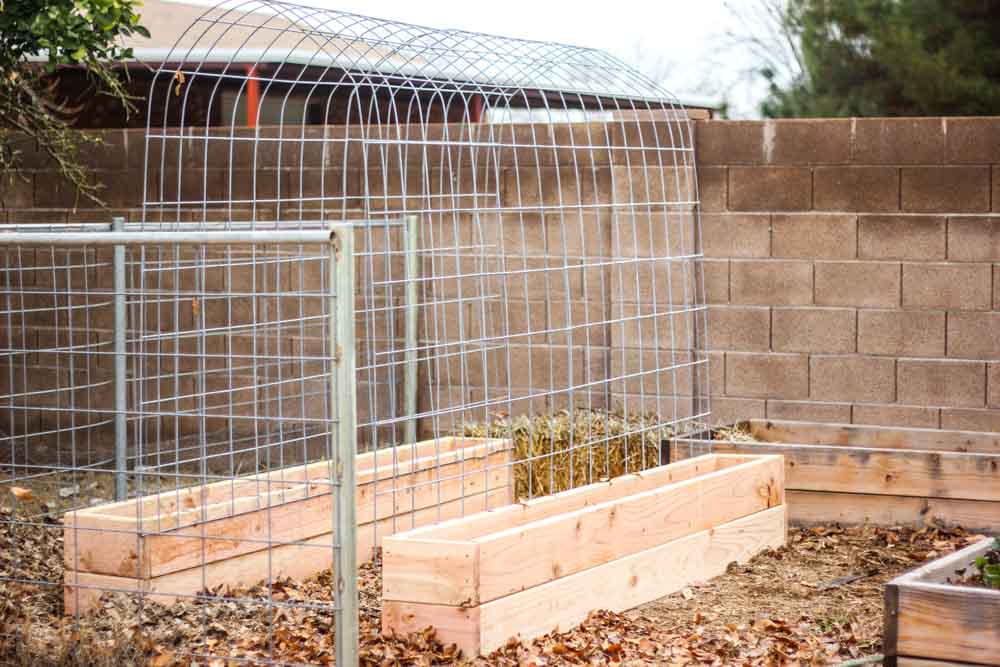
column 887, row 476
column 931, row 623
column 526, row 569
column 239, row 532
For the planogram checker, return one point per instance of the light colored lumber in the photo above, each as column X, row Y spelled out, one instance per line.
column 877, row 471
column 493, row 565
column 111, row 545
column 617, row 586
column 298, row 561
column 877, row 437
column 535, row 509
column 391, row 460
column 808, row 508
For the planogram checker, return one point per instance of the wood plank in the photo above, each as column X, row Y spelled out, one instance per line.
column 520, row 557
column 947, row 622
column 566, row 501
column 807, row 508
column 392, row 460
column 618, row 585
column 159, row 553
column 876, row 471
column 878, row 437
column 299, row 561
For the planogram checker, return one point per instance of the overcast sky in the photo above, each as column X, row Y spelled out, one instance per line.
column 682, row 40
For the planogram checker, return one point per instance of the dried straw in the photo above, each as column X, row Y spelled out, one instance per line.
column 560, row 451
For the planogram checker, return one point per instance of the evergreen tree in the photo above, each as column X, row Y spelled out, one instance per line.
column 891, row 58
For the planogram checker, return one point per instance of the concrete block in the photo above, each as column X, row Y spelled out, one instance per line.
column 852, row 378
column 965, row 419
column 947, row 286
column 874, row 189
column 993, row 385
column 899, row 140
column 812, row 411
column 903, row 333
column 945, row 189
column 808, row 141
column 901, row 237
column 728, row 410
column 973, row 140
column 753, row 375
column 830, row 330
column 859, row 284
column 974, row 335
column 713, row 188
column 745, row 329
column 814, row 236
column 974, row 239
column 729, row 142
column 772, row 282
column 736, row 234
column 897, row 415
column 770, row 189
column 942, row 383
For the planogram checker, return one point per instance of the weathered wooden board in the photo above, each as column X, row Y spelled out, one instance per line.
column 927, row 618
column 300, row 560
column 807, row 508
column 849, row 473
column 430, row 568
column 113, row 544
column 617, row 585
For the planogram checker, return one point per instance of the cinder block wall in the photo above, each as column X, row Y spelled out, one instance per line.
column 853, row 269
column 851, row 264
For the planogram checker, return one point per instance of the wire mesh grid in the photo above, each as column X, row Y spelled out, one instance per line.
column 528, row 311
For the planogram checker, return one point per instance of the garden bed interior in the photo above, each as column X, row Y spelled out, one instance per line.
column 854, row 474
column 525, row 569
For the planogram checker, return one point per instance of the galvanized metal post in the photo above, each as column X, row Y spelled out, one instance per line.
column 343, row 407
column 411, row 247
column 121, row 388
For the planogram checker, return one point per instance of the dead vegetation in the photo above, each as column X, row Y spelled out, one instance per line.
column 560, row 451
column 817, row 601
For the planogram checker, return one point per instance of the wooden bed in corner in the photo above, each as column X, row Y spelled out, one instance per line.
column 931, row 623
column 240, row 532
column 853, row 474
column 526, row 569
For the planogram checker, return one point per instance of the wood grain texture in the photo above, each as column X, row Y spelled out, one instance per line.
column 521, row 553
column 299, row 560
column 617, row 585
column 111, row 544
column 876, row 471
column 808, row 508
column 877, row 437
column 929, row 619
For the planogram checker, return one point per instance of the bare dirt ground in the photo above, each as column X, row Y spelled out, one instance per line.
column 817, row 601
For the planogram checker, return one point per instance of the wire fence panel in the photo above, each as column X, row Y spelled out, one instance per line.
column 527, row 312
column 238, row 416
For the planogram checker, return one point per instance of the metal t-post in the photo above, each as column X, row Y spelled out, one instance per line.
column 121, row 389
column 343, row 408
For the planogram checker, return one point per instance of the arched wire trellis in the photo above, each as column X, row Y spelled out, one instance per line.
column 526, row 245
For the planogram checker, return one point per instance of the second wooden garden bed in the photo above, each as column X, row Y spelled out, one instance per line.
column 525, row 569
column 930, row 622
column 887, row 476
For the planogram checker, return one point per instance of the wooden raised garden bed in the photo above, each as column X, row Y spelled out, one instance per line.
column 887, row 476
column 277, row 524
column 932, row 623
column 525, row 569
